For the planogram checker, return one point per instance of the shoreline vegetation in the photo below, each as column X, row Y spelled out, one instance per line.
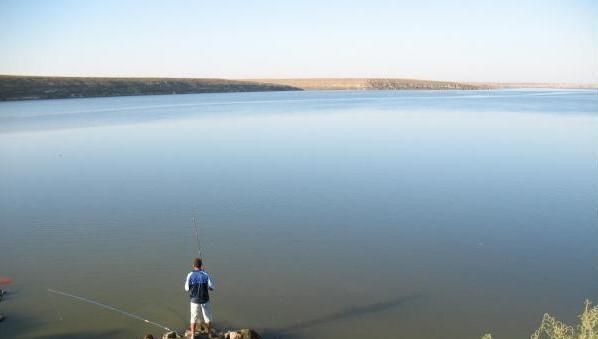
column 14, row 87
column 551, row 328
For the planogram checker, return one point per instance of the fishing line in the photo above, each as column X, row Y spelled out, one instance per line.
column 112, row 308
column 197, row 236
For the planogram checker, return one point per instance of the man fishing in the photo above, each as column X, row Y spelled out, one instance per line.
column 198, row 284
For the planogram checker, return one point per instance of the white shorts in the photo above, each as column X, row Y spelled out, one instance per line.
column 201, row 313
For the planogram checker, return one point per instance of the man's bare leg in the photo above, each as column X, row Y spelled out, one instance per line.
column 193, row 330
column 211, row 333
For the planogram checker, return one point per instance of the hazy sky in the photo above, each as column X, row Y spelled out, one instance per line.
column 481, row 40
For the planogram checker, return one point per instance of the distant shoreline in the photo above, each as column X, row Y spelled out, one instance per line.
column 13, row 88
column 40, row 87
column 398, row 84
column 371, row 84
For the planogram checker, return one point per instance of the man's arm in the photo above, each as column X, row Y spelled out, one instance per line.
column 187, row 281
column 210, row 283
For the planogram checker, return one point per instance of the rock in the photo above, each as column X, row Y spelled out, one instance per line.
column 242, row 334
column 198, row 334
column 203, row 328
column 232, row 335
column 203, row 334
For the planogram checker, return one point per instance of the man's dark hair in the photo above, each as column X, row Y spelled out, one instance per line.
column 197, row 262
column 148, row 336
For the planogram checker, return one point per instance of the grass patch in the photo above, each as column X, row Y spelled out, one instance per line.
column 551, row 328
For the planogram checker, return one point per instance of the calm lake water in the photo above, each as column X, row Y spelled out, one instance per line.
column 382, row 214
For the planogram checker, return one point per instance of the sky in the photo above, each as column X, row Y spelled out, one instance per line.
column 481, row 40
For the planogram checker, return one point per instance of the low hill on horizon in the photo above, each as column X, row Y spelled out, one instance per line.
column 369, row 84
column 41, row 87
column 403, row 83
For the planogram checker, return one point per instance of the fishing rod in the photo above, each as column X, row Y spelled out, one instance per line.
column 197, row 237
column 112, row 308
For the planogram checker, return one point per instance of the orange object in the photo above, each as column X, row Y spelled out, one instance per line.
column 5, row 281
